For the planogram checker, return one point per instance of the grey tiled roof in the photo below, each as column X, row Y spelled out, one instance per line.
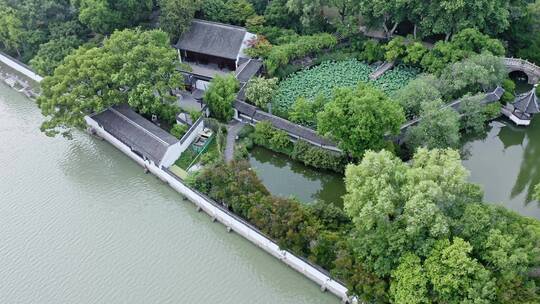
column 282, row 124
column 528, row 102
column 495, row 95
column 135, row 131
column 211, row 38
column 248, row 70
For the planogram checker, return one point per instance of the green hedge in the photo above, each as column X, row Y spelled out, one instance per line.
column 267, row 136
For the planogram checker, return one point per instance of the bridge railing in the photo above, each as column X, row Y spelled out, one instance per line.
column 522, row 62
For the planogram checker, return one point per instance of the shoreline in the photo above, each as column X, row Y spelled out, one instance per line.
column 231, row 221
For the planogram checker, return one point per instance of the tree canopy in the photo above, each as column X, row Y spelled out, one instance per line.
column 360, row 118
column 104, row 16
column 220, row 96
column 132, row 66
column 422, row 227
column 176, row 16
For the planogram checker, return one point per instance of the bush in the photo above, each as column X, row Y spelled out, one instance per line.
column 509, row 87
column 281, row 55
column 318, row 158
column 178, row 130
column 373, row 51
column 267, row 136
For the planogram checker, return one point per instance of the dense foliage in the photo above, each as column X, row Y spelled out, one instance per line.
column 133, row 66
column 360, row 119
column 178, row 130
column 220, row 97
column 280, row 55
column 259, row 91
column 423, row 229
column 176, row 16
column 267, row 136
column 324, row 79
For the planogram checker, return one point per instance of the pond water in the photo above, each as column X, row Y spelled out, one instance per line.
column 506, row 163
column 286, row 177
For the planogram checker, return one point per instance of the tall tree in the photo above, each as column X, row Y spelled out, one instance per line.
column 449, row 17
column 439, row 127
column 132, row 66
column 383, row 13
column 421, row 227
column 360, row 118
column 176, row 16
column 220, row 96
column 104, row 16
column 11, row 29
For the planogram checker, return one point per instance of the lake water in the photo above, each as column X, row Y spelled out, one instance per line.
column 82, row 223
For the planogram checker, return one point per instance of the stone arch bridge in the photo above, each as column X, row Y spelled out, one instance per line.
column 530, row 69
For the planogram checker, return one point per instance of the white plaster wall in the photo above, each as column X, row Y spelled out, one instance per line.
column 230, row 221
column 19, row 68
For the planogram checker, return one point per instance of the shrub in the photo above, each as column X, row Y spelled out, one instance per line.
column 178, row 130
column 281, row 55
column 372, row 52
column 509, row 87
column 318, row 158
column 395, row 49
column 267, row 136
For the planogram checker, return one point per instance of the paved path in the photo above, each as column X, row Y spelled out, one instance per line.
column 232, row 131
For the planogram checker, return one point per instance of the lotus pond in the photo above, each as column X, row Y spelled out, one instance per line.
column 323, row 79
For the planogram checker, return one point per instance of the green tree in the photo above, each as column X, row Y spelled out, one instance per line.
column 176, row 16
column 416, row 93
column 383, row 14
column 132, row 66
column 409, row 284
column 178, row 130
column 509, row 87
column 52, row 53
column 238, row 11
column 456, row 277
column 415, row 52
column 359, row 119
column 395, row 49
column 449, row 17
column 104, row 16
column 480, row 72
column 439, row 128
column 220, row 96
column 420, row 227
column 260, row 91
column 11, row 29
column 473, row 117
column 537, row 192
column 304, row 111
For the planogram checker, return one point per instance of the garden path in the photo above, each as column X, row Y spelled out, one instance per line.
column 232, row 132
